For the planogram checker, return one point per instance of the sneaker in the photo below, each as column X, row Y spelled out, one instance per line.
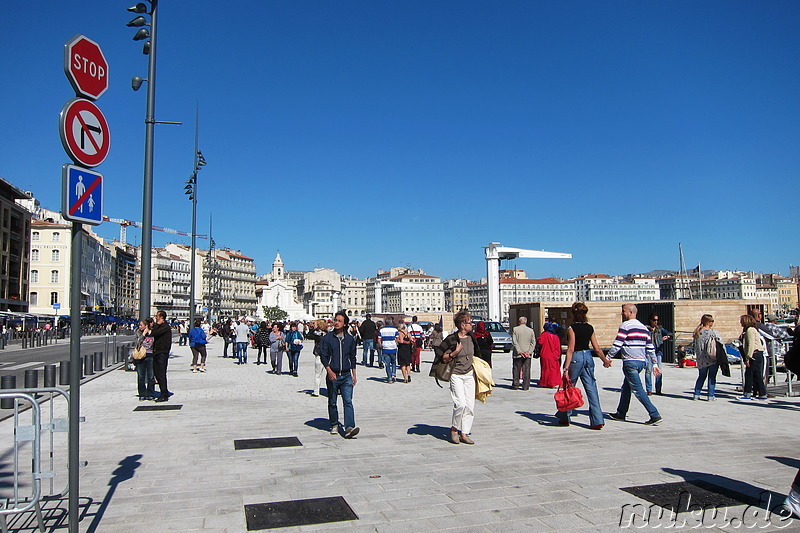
column 162, row 399
column 349, row 433
column 696, row 397
column 712, row 399
column 792, row 503
column 761, row 398
column 598, row 426
column 315, row 394
column 653, row 421
column 202, row 370
column 335, row 430
column 745, row 397
column 616, row 416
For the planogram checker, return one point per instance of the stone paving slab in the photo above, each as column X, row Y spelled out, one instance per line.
column 525, row 472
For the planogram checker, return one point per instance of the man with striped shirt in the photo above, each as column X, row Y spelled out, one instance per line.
column 635, row 345
column 387, row 339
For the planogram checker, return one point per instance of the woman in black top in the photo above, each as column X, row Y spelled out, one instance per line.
column 485, row 341
column 579, row 364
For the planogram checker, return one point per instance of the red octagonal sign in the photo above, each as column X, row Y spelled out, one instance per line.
column 86, row 67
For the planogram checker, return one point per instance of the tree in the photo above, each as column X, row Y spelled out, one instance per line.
column 274, row 313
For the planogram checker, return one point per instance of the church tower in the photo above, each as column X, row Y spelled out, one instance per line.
column 277, row 267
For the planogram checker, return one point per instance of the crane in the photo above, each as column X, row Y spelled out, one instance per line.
column 124, row 223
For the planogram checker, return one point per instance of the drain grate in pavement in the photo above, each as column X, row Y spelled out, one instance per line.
column 671, row 495
column 297, row 513
column 172, row 407
column 275, row 442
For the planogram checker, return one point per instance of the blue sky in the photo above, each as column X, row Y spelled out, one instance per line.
column 364, row 135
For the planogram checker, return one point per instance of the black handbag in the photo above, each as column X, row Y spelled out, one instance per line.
column 722, row 360
column 440, row 370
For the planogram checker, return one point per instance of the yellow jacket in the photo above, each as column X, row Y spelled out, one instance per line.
column 483, row 379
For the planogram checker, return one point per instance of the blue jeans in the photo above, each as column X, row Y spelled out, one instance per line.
column 294, row 358
column 344, row 386
column 633, row 382
column 711, row 373
column 582, row 366
column 144, row 373
column 369, row 345
column 183, row 340
column 390, row 362
column 648, row 375
column 241, row 351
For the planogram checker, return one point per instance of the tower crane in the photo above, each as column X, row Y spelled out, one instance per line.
column 124, row 223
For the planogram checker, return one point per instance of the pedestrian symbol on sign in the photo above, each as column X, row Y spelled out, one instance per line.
column 83, row 195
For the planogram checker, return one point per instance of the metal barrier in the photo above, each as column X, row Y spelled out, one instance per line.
column 38, row 434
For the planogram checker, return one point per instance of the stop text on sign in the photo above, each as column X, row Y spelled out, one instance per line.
column 88, row 67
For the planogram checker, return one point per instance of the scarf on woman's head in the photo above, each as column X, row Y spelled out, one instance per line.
column 480, row 330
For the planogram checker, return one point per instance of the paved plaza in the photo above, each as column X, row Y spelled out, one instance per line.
column 178, row 470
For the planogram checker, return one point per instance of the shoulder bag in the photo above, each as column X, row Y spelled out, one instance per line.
column 568, row 396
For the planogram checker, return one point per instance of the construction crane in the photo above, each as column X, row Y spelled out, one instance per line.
column 124, row 223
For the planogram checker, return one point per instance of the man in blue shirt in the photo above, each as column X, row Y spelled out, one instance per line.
column 337, row 352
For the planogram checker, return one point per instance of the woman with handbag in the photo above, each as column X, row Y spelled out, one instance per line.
column 294, row 343
column 458, row 349
column 405, row 348
column 753, row 357
column 277, row 346
column 144, row 365
column 704, row 336
column 579, row 364
column 549, row 349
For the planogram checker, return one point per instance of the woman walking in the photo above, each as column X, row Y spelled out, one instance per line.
column 753, row 356
column 485, row 342
column 579, row 364
column 659, row 335
column 262, row 342
column 144, row 367
column 549, row 356
column 405, row 348
column 197, row 343
column 276, row 348
column 294, row 343
column 461, row 347
column 705, row 348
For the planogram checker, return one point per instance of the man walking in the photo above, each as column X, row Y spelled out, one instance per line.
column 183, row 329
column 162, row 343
column 367, row 332
column 388, row 342
column 337, row 352
column 636, row 346
column 524, row 344
column 417, row 334
column 242, row 332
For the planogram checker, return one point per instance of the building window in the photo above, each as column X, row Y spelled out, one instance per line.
column 54, row 276
column 34, row 276
column 34, row 299
column 55, row 256
column 34, row 255
column 35, row 236
column 53, row 298
column 56, row 236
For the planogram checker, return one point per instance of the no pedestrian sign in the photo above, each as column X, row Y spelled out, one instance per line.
column 82, row 199
column 84, row 132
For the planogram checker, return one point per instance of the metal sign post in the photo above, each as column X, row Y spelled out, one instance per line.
column 75, row 375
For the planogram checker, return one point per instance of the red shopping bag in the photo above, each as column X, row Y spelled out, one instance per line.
column 568, row 396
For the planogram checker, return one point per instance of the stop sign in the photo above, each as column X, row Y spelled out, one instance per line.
column 86, row 67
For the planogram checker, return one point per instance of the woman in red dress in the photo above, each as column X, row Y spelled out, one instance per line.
column 550, row 357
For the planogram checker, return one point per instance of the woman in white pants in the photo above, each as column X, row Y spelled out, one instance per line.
column 461, row 347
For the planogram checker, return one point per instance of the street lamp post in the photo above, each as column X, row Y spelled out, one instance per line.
column 191, row 190
column 149, row 49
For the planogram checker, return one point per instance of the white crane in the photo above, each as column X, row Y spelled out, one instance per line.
column 124, row 223
column 494, row 253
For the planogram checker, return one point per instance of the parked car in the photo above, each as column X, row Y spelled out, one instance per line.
column 500, row 336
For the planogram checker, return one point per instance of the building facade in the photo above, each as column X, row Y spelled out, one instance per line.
column 15, row 235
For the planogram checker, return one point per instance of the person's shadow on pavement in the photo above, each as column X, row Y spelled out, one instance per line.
column 440, row 432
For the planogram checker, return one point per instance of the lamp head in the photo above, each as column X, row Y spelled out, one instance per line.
column 137, row 22
column 143, row 33
column 138, row 8
column 136, row 82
